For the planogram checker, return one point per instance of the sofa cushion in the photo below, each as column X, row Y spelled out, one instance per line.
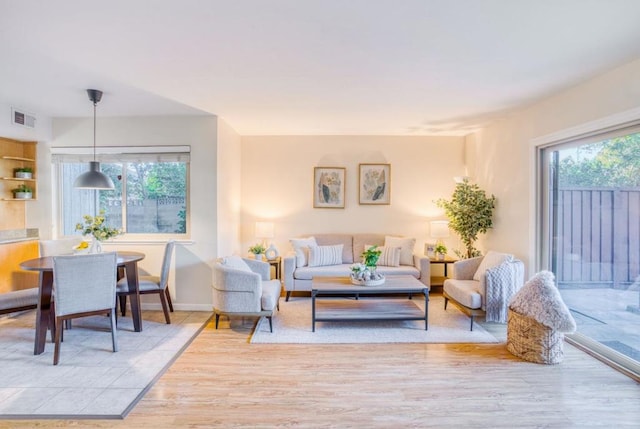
column 466, row 292
column 325, row 255
column 307, row 273
column 235, row 262
column 301, row 249
column 389, row 256
column 359, row 240
column 490, row 260
column 345, row 239
column 406, row 246
column 270, row 294
column 343, row 270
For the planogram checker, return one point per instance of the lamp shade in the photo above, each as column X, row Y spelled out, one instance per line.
column 93, row 179
column 264, row 230
column 439, row 228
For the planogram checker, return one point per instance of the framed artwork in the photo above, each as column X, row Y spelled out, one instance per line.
column 430, row 250
column 375, row 184
column 328, row 187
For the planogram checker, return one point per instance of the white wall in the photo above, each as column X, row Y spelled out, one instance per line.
column 228, row 190
column 277, row 184
column 504, row 153
column 192, row 268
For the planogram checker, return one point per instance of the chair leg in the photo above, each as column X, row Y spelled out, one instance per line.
column 56, row 350
column 270, row 324
column 217, row 320
column 165, row 307
column 288, row 295
column 123, row 304
column 114, row 338
column 446, row 301
column 471, row 323
column 166, row 292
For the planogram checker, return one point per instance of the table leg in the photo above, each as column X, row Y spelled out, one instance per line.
column 43, row 312
column 131, row 270
column 426, row 309
column 313, row 311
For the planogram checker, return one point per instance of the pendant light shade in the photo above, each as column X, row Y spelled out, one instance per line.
column 94, row 178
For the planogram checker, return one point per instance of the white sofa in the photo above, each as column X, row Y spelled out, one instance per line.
column 297, row 277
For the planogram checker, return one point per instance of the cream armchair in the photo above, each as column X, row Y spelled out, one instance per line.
column 483, row 286
column 242, row 287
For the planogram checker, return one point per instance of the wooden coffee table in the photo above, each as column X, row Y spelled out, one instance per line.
column 342, row 310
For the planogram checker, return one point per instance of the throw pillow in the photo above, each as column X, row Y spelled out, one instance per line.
column 390, row 256
column 236, row 262
column 325, row 255
column 490, row 260
column 406, row 246
column 540, row 300
column 301, row 249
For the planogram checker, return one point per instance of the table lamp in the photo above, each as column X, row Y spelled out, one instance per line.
column 265, row 230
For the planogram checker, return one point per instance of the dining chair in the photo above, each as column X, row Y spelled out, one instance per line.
column 62, row 246
column 59, row 247
column 84, row 285
column 151, row 284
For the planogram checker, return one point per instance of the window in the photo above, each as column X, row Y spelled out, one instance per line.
column 591, row 237
column 150, row 195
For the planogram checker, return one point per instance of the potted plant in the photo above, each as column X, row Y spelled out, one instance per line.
column 257, row 250
column 470, row 212
column 440, row 251
column 22, row 192
column 23, row 173
column 364, row 273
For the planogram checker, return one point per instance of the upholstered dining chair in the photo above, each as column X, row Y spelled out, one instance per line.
column 152, row 284
column 85, row 285
column 62, row 246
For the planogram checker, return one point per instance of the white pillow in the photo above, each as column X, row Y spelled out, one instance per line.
column 406, row 246
column 390, row 256
column 301, row 249
column 490, row 260
column 320, row 256
column 236, row 262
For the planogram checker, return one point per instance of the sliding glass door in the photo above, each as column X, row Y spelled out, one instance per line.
column 591, row 235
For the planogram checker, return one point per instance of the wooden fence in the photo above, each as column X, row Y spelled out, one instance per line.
column 598, row 237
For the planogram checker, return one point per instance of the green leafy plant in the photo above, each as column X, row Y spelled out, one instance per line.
column 23, row 170
column 370, row 256
column 94, row 225
column 257, row 249
column 23, row 188
column 441, row 249
column 470, row 212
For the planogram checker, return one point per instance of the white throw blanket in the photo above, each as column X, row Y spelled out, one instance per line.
column 502, row 284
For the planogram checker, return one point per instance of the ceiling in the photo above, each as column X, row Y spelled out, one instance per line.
column 372, row 67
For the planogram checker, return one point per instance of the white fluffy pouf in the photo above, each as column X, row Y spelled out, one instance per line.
column 538, row 320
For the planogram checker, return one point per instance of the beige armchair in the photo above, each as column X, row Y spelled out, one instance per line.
column 242, row 287
column 483, row 286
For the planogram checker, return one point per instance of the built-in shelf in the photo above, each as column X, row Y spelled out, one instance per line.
column 17, row 158
column 18, row 179
column 18, row 199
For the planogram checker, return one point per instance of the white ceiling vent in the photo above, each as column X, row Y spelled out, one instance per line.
column 20, row 117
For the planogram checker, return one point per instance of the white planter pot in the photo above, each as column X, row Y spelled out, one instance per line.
column 23, row 175
column 23, row 195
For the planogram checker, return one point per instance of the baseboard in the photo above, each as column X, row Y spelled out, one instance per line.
column 179, row 307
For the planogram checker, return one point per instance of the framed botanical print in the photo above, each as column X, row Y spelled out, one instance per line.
column 375, row 184
column 328, row 187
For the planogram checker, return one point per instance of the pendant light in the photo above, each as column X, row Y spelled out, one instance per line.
column 94, row 178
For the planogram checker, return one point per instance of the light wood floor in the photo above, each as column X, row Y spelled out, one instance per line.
column 222, row 381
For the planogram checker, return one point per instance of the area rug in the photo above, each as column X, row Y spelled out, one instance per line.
column 90, row 380
column 292, row 324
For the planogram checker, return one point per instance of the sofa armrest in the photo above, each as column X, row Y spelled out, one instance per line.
column 259, row 267
column 288, row 267
column 423, row 264
column 466, row 268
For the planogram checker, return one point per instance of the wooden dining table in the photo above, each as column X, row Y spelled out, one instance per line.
column 44, row 316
